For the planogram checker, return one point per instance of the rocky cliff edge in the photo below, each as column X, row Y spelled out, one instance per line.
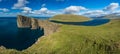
column 27, row 22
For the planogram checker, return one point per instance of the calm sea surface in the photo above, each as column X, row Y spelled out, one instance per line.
column 13, row 37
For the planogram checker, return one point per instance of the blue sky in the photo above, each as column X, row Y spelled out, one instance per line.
column 10, row 8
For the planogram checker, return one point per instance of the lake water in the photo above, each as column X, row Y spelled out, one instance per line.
column 13, row 37
column 94, row 22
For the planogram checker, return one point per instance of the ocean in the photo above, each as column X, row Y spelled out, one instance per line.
column 12, row 37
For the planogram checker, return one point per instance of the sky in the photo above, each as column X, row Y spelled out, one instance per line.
column 47, row 8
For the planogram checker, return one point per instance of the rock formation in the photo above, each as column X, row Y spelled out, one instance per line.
column 26, row 22
column 23, row 22
column 34, row 23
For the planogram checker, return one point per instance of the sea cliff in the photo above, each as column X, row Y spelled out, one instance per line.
column 27, row 22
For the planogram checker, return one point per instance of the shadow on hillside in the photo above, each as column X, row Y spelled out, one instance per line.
column 24, row 38
column 94, row 22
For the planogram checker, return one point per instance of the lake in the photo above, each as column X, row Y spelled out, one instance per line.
column 93, row 22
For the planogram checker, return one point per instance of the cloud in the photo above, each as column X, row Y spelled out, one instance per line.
column 73, row 9
column 4, row 9
column 43, row 5
column 94, row 13
column 106, row 11
column 112, row 7
column 26, row 10
column 43, row 11
column 20, row 4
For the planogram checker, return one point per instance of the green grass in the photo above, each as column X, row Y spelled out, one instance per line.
column 71, row 39
column 69, row 18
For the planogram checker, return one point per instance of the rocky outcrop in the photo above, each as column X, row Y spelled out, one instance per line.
column 34, row 23
column 26, row 22
column 23, row 22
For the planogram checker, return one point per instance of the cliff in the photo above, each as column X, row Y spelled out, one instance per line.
column 23, row 21
column 27, row 22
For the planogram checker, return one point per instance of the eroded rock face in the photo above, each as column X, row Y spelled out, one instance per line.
column 26, row 22
column 34, row 23
column 23, row 22
column 48, row 27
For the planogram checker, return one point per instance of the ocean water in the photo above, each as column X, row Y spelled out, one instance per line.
column 13, row 37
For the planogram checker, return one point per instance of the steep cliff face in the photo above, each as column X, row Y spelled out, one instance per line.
column 26, row 22
column 34, row 23
column 48, row 27
column 23, row 21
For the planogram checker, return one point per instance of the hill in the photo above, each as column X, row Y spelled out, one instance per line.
column 72, row 39
column 69, row 18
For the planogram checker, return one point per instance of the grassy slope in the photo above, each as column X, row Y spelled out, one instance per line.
column 69, row 18
column 71, row 39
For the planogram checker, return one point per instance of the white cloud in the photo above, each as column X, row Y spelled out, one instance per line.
column 112, row 7
column 43, row 5
column 26, row 10
column 4, row 9
column 20, row 4
column 43, row 11
column 95, row 13
column 117, row 12
column 73, row 9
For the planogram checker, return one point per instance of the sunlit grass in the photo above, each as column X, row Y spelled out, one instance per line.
column 69, row 18
column 71, row 39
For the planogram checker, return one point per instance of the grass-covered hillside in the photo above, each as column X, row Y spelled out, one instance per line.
column 74, row 39
column 69, row 18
